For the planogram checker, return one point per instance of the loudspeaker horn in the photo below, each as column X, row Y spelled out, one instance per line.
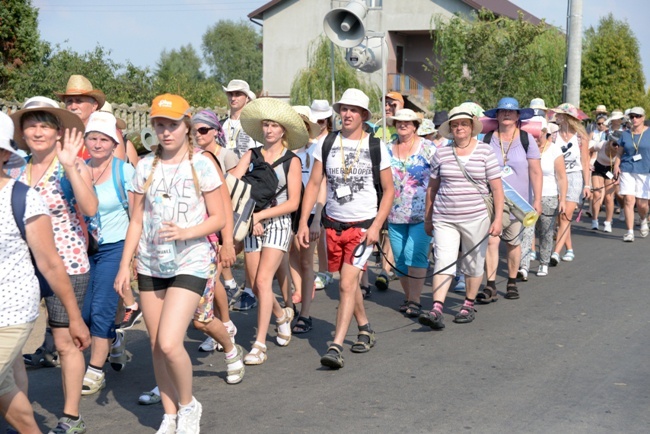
column 148, row 138
column 344, row 26
column 365, row 57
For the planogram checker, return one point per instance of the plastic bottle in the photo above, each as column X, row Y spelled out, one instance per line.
column 165, row 250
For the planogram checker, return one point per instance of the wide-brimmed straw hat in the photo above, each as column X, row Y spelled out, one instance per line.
column 108, row 108
column 460, row 112
column 353, row 97
column 567, row 109
column 509, row 103
column 601, row 108
column 407, row 115
column 80, row 85
column 67, row 119
column 239, row 86
column 320, row 109
column 277, row 111
column 307, row 116
column 426, row 127
column 6, row 136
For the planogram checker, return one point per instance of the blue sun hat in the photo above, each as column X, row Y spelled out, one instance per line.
column 509, row 103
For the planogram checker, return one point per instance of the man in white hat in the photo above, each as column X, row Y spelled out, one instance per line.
column 356, row 168
column 239, row 94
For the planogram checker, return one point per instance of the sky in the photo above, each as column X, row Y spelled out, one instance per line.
column 139, row 30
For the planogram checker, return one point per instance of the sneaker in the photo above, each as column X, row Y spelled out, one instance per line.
column 644, row 228
column 323, row 279
column 117, row 356
column 594, row 225
column 208, row 345
column 131, row 317
column 232, row 291
column 568, row 256
column 245, row 302
column 188, row 420
column 234, row 295
column 432, row 319
column 69, row 426
column 555, row 259
column 460, row 283
column 381, row 282
column 628, row 237
column 93, row 382
column 522, row 274
column 607, row 227
column 168, row 425
column 542, row 271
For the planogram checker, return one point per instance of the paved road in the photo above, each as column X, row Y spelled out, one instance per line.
column 571, row 356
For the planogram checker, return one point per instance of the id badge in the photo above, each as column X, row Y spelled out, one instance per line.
column 609, row 175
column 342, row 192
column 636, row 157
column 506, row 171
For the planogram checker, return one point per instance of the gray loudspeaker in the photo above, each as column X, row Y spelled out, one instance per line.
column 344, row 26
column 365, row 57
column 148, row 138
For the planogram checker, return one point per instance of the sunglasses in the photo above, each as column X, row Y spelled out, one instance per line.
column 203, row 130
column 634, row 116
column 393, row 105
column 600, row 123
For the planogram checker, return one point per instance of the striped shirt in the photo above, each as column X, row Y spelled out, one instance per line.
column 457, row 199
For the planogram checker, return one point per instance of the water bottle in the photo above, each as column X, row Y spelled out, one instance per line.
column 165, row 250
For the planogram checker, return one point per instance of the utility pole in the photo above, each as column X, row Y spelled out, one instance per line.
column 574, row 53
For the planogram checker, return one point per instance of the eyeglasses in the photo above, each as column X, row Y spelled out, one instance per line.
column 634, row 116
column 459, row 125
column 203, row 130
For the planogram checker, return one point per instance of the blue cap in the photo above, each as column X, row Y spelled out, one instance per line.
column 509, row 103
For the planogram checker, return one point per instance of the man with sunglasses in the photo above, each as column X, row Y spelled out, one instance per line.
column 394, row 102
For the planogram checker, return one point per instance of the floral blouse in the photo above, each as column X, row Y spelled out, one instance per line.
column 411, row 178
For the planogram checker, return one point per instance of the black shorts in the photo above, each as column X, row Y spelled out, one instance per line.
column 600, row 170
column 185, row 281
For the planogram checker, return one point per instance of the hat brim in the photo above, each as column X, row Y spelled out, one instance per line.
column 318, row 115
column 337, row 106
column 445, row 131
column 248, row 93
column 564, row 112
column 524, row 113
column 277, row 111
column 15, row 159
column 67, row 119
column 95, row 94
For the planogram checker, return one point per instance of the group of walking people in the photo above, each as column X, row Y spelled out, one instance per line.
column 106, row 220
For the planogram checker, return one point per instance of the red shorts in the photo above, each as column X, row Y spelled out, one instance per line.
column 340, row 249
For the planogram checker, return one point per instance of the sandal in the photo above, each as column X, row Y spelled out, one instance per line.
column 365, row 291
column 257, row 356
column 404, row 306
column 333, row 358
column 487, row 296
column 512, row 292
column 413, row 310
column 381, row 282
column 289, row 313
column 235, row 375
column 432, row 319
column 465, row 315
column 365, row 341
column 149, row 398
column 302, row 325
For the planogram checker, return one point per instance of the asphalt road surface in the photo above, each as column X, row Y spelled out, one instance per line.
column 571, row 356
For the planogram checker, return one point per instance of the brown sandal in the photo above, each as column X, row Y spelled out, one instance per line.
column 512, row 292
column 487, row 296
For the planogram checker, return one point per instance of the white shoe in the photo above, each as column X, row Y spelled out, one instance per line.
column 188, row 420
column 644, row 228
column 168, row 425
column 594, row 225
column 542, row 270
column 607, row 227
column 628, row 237
column 523, row 274
column 208, row 345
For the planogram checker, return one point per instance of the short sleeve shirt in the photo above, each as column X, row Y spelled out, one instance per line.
column 642, row 142
column 114, row 218
column 518, row 161
column 549, row 184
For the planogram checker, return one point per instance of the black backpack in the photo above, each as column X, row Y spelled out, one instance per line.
column 375, row 159
column 523, row 137
column 263, row 180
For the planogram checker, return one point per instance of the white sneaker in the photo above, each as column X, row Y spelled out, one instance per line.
column 607, row 227
column 542, row 270
column 208, row 345
column 168, row 425
column 188, row 420
column 644, row 228
column 628, row 237
column 594, row 225
column 523, row 274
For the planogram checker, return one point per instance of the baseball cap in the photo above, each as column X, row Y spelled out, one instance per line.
column 169, row 106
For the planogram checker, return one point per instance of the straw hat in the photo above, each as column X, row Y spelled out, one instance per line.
column 407, row 115
column 509, row 103
column 460, row 112
column 277, row 111
column 600, row 109
column 239, row 86
column 6, row 136
column 80, row 85
column 102, row 122
column 306, row 115
column 321, row 109
column 108, row 108
column 67, row 119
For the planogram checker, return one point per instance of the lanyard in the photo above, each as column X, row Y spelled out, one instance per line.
column 504, row 154
column 234, row 132
column 46, row 175
column 347, row 170
column 637, row 144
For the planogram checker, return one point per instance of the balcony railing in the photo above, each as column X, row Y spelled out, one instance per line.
column 409, row 86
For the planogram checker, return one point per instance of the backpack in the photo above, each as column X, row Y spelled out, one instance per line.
column 263, row 180
column 523, row 137
column 18, row 204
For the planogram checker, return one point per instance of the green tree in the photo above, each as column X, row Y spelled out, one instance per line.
column 20, row 43
column 315, row 81
column 483, row 58
column 611, row 67
column 184, row 61
column 233, row 50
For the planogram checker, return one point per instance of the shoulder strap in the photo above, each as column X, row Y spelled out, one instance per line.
column 214, row 157
column 488, row 137
column 523, row 135
column 327, row 147
column 18, row 204
column 375, row 158
column 467, row 175
column 118, row 182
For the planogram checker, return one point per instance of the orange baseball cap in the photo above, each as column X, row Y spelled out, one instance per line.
column 169, row 106
column 395, row 96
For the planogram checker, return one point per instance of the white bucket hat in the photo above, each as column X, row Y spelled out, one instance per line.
column 6, row 136
column 616, row 115
column 321, row 109
column 407, row 115
column 239, row 86
column 102, row 122
column 353, row 97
